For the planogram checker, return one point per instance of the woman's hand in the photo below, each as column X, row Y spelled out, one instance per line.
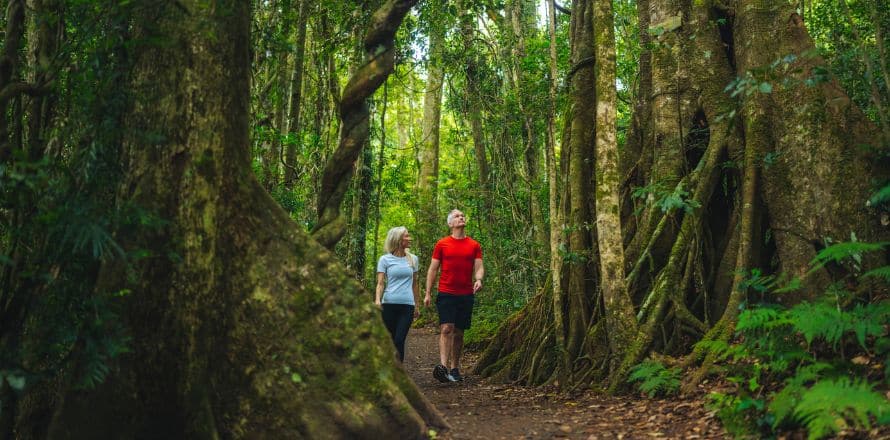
column 416, row 313
column 378, row 304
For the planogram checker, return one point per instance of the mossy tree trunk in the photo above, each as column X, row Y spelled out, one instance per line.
column 618, row 308
column 729, row 183
column 241, row 325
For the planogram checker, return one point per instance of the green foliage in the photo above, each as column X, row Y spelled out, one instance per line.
column 654, row 378
column 809, row 365
column 665, row 198
column 827, row 405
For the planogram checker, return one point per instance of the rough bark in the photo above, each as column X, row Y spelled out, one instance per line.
column 236, row 315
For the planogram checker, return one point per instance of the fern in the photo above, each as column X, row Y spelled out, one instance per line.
column 761, row 318
column 842, row 251
column 881, row 272
column 881, row 196
column 830, row 405
column 819, row 320
column 785, row 401
column 654, row 378
column 869, row 320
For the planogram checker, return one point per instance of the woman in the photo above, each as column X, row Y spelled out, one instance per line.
column 397, row 270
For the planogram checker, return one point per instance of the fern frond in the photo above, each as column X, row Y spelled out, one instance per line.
column 881, row 196
column 869, row 320
column 830, row 404
column 841, row 251
column 819, row 320
column 758, row 318
column 881, row 272
column 655, row 378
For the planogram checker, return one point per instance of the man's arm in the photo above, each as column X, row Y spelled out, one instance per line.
column 478, row 274
column 430, row 277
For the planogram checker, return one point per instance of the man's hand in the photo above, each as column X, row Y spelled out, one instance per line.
column 427, row 300
column 477, row 286
column 416, row 312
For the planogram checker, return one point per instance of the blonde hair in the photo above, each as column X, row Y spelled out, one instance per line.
column 393, row 243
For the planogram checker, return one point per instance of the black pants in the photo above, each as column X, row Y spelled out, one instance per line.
column 398, row 318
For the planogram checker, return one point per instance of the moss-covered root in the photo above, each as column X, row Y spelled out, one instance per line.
column 523, row 350
column 722, row 331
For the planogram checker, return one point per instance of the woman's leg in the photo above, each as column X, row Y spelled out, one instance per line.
column 406, row 316
column 391, row 319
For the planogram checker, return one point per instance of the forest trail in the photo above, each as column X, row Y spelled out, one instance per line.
column 477, row 409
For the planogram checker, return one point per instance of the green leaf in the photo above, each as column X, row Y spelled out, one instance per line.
column 16, row 382
column 766, row 87
column 881, row 196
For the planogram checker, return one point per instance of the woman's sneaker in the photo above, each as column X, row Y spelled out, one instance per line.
column 441, row 374
column 455, row 374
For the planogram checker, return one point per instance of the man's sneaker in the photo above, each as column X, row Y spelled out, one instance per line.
column 455, row 374
column 441, row 374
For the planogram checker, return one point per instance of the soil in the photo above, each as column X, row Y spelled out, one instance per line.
column 478, row 409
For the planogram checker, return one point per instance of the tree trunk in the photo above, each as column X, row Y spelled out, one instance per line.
column 619, row 313
column 427, row 217
column 473, row 105
column 296, row 98
column 235, row 315
column 353, row 107
column 731, row 183
column 361, row 206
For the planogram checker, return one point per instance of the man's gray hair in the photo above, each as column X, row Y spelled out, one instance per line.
column 451, row 216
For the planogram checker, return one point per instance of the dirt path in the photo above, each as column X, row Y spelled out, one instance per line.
column 477, row 409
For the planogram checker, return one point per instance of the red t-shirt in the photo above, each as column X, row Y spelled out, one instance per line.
column 457, row 257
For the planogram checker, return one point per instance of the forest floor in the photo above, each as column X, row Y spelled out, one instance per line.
column 478, row 409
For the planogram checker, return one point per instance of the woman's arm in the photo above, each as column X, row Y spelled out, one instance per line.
column 415, row 288
column 381, row 282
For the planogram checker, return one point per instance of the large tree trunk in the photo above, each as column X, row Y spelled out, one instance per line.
column 236, row 315
column 757, row 181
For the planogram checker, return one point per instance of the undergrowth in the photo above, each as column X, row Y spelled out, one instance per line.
column 821, row 366
column 818, row 365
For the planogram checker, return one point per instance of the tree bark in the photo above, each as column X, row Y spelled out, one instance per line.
column 619, row 313
column 235, row 314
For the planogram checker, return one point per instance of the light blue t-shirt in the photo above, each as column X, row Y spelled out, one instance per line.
column 399, row 278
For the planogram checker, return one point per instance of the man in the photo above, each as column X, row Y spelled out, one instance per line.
column 460, row 258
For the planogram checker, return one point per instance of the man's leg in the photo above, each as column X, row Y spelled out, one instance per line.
column 457, row 346
column 446, row 342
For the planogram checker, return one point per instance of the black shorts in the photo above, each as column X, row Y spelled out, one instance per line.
column 455, row 309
